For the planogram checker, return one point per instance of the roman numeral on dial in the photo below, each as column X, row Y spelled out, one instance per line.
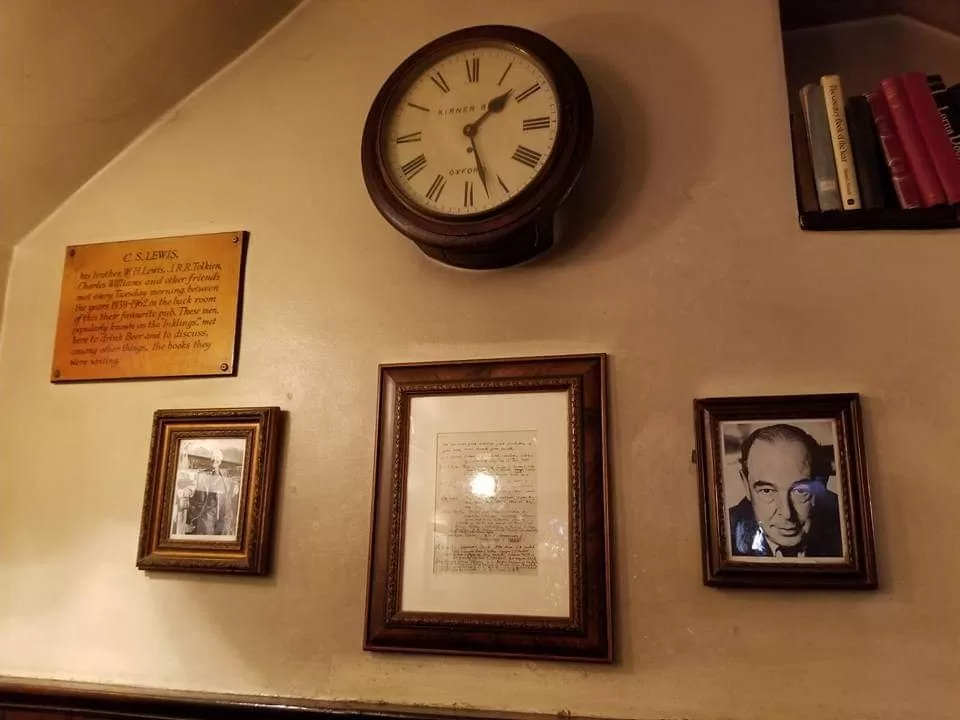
column 468, row 193
column 537, row 123
column 438, row 184
column 528, row 92
column 411, row 168
column 439, row 81
column 525, row 155
column 473, row 69
column 416, row 136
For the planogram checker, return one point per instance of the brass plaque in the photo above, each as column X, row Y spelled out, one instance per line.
column 166, row 307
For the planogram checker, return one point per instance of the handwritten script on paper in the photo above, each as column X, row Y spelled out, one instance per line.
column 486, row 503
column 149, row 308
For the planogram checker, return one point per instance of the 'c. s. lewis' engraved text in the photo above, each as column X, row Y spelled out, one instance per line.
column 486, row 503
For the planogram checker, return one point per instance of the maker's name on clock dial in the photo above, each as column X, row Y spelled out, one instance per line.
column 471, row 130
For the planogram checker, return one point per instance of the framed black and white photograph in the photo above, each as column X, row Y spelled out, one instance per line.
column 785, row 500
column 206, row 499
column 209, row 494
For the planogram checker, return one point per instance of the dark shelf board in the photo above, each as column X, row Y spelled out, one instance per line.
column 944, row 217
column 798, row 14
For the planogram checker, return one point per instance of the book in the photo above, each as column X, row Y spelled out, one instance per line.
column 901, row 174
column 934, row 136
column 953, row 94
column 891, row 198
column 839, row 135
column 863, row 138
column 803, row 165
column 948, row 109
column 931, row 192
column 821, row 147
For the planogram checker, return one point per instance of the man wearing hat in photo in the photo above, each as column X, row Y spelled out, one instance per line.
column 207, row 498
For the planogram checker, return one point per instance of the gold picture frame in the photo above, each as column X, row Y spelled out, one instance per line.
column 208, row 503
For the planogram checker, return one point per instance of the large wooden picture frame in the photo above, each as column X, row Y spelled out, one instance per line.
column 490, row 533
column 785, row 500
column 208, row 502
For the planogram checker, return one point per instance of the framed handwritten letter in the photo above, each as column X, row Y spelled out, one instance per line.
column 490, row 531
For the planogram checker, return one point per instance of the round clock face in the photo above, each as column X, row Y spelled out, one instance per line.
column 471, row 129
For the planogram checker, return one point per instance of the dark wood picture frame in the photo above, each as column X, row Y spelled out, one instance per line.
column 847, row 463
column 586, row 634
column 245, row 547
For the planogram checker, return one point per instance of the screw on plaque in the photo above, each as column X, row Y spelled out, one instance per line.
column 236, row 239
column 224, row 367
column 71, row 251
column 56, row 374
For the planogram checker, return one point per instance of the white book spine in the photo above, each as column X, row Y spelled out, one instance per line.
column 842, row 149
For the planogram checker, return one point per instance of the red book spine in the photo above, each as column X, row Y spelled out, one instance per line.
column 904, row 181
column 934, row 136
column 931, row 193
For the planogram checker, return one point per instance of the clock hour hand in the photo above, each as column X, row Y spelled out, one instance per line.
column 494, row 106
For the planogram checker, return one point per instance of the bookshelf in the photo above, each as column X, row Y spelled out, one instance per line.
column 935, row 218
column 865, row 41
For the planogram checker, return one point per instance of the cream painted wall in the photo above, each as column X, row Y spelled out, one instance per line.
column 689, row 269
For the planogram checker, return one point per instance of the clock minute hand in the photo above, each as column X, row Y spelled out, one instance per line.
column 480, row 170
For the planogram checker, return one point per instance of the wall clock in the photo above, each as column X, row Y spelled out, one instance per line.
column 473, row 143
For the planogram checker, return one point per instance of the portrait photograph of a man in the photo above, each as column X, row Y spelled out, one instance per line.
column 785, row 498
column 782, row 491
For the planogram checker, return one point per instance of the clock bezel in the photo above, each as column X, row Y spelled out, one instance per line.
column 533, row 205
column 399, row 92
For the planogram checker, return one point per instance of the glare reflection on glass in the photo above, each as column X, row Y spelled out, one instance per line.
column 554, row 547
column 757, row 543
column 483, row 484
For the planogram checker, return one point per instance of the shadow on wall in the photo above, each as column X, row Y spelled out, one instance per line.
column 96, row 97
column 650, row 101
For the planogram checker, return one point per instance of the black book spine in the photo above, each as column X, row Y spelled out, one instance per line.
column 948, row 105
column 863, row 137
column 953, row 94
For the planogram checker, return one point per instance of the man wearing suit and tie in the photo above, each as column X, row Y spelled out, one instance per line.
column 788, row 511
